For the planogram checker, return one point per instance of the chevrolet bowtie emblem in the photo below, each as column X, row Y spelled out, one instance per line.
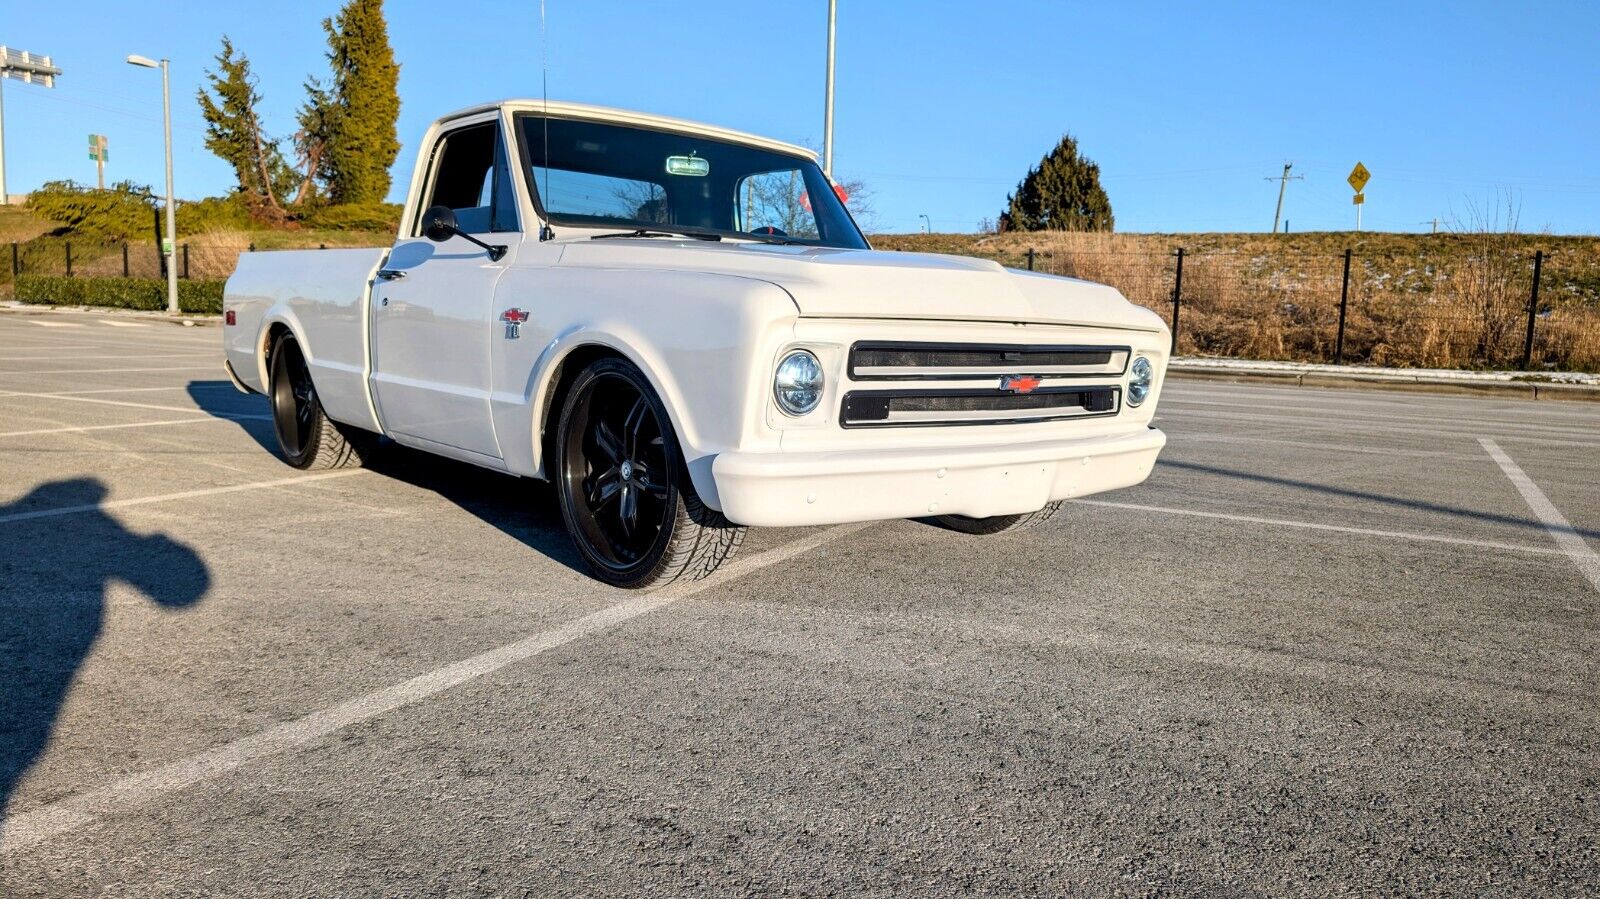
column 1020, row 383
column 513, row 318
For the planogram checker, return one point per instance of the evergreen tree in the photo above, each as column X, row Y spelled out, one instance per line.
column 1062, row 193
column 348, row 135
column 234, row 133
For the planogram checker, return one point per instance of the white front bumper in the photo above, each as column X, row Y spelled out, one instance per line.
column 785, row 489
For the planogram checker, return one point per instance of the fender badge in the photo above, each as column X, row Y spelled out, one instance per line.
column 513, row 318
column 1020, row 383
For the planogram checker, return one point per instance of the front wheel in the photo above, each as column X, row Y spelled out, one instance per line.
column 306, row 436
column 625, row 493
column 998, row 524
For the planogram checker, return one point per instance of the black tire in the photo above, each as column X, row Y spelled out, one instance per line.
column 998, row 524
column 624, row 491
column 307, row 438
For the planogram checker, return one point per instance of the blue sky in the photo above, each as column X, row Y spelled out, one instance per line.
column 941, row 106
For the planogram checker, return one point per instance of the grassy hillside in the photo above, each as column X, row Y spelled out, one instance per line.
column 1452, row 300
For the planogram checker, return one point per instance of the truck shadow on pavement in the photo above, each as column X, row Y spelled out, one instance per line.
column 522, row 508
column 1347, row 493
column 55, row 572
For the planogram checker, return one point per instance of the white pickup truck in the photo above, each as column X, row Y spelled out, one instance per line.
column 682, row 327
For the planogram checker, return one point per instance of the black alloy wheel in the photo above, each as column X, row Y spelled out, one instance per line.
column 306, row 436
column 625, row 496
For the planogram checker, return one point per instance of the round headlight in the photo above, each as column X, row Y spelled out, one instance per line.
column 1139, row 381
column 798, row 383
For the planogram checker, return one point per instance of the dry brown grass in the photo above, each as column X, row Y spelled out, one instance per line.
column 1449, row 300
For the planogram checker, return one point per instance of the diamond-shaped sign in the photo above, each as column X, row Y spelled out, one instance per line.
column 1358, row 177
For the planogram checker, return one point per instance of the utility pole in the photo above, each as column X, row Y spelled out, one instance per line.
column 827, row 115
column 1434, row 222
column 1283, row 182
column 28, row 68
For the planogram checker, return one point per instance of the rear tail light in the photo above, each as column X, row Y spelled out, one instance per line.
column 230, row 317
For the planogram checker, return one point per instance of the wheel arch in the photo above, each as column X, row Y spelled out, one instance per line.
column 569, row 358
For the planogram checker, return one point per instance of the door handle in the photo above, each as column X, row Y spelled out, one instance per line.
column 390, row 274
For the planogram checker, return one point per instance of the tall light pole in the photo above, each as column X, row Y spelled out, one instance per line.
column 827, row 115
column 170, row 243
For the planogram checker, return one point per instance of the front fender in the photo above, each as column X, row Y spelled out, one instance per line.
column 703, row 341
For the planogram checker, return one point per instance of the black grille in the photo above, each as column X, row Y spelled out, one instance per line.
column 1020, row 359
column 911, row 408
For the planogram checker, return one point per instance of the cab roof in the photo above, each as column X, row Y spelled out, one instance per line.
column 565, row 110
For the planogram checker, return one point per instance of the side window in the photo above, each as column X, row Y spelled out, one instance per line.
column 776, row 203
column 470, row 176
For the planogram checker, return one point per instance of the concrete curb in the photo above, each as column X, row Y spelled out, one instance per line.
column 189, row 320
column 1389, row 379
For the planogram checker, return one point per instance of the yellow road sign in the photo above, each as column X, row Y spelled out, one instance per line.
column 1359, row 199
column 1358, row 178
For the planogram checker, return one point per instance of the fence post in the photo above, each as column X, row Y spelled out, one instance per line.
column 1533, row 310
column 1344, row 304
column 1177, row 301
column 252, row 246
column 16, row 260
column 185, row 262
column 69, row 258
column 1030, row 259
column 124, row 259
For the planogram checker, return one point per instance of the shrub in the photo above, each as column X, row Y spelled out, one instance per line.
column 124, row 211
column 355, row 217
column 120, row 293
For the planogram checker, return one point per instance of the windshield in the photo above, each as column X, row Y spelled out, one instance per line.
column 597, row 174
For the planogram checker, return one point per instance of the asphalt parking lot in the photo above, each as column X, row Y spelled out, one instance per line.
column 1340, row 643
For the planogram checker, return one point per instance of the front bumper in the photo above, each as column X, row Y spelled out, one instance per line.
column 791, row 489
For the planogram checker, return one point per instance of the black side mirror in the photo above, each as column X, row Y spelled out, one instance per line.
column 439, row 224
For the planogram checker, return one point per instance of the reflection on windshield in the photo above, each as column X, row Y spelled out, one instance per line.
column 596, row 174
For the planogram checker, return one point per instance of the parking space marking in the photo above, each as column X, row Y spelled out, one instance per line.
column 1187, row 434
column 90, row 399
column 136, row 424
column 114, row 371
column 117, row 324
column 1565, row 536
column 1344, row 427
column 56, row 324
column 56, row 393
column 1335, row 528
column 55, row 356
column 186, row 494
column 135, row 790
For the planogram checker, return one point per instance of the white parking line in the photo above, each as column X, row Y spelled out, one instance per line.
column 119, row 796
column 115, row 371
column 100, row 356
column 136, row 424
column 1560, row 529
column 56, row 324
column 86, row 399
column 223, row 385
column 1336, row 528
column 187, row 494
column 117, row 324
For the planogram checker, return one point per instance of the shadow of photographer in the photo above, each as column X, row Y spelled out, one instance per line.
column 55, row 571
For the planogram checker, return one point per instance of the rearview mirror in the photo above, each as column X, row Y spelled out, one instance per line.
column 439, row 223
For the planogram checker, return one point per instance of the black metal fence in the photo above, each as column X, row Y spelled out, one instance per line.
column 1477, row 310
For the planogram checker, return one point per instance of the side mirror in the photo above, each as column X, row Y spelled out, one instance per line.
column 439, row 223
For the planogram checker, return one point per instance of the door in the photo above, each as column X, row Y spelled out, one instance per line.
column 432, row 315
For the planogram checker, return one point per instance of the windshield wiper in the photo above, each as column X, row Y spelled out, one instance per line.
column 659, row 232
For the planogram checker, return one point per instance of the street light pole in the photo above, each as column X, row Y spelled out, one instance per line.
column 169, row 245
column 827, row 115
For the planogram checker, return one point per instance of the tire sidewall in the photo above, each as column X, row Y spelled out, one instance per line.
column 280, row 370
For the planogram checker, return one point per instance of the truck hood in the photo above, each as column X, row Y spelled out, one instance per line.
column 833, row 283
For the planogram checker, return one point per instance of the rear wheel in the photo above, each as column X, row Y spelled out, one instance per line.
column 625, row 494
column 998, row 524
column 306, row 436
